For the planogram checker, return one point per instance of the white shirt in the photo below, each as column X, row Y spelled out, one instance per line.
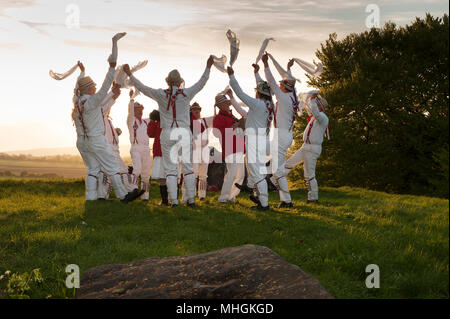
column 90, row 107
column 316, row 127
column 137, row 128
column 285, row 107
column 110, row 132
column 258, row 114
column 182, row 101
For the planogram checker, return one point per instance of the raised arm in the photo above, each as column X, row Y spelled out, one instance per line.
column 289, row 66
column 96, row 99
column 107, row 103
column 146, row 90
column 258, row 78
column 319, row 116
column 237, row 106
column 197, row 87
column 82, row 69
column 270, row 79
column 111, row 98
column 248, row 100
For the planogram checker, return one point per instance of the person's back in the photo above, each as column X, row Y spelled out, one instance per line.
column 173, row 105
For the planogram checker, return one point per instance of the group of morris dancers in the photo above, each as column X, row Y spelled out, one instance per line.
column 178, row 125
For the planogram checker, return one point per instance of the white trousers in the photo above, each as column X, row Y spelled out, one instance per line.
column 200, row 173
column 158, row 168
column 140, row 155
column 256, row 147
column 98, row 155
column 235, row 174
column 172, row 141
column 126, row 178
column 281, row 142
column 104, row 184
column 308, row 155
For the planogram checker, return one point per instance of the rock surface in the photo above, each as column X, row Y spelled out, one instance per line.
column 247, row 271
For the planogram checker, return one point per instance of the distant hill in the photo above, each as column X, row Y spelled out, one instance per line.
column 124, row 151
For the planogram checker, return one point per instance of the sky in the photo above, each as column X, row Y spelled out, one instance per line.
column 39, row 35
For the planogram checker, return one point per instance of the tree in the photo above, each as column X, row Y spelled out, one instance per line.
column 388, row 93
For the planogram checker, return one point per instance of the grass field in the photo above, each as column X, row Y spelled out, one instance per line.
column 46, row 224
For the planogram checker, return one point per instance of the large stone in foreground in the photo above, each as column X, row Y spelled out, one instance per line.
column 247, row 271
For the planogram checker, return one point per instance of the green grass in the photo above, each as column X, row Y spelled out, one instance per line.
column 41, row 226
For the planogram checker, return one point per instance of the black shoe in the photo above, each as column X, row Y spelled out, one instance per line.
column 191, row 205
column 201, row 199
column 285, row 205
column 271, row 186
column 173, row 205
column 163, row 203
column 260, row 207
column 243, row 188
column 131, row 196
column 254, row 199
column 145, row 200
column 312, row 201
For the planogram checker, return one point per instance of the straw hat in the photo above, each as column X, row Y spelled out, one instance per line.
column 174, row 78
column 138, row 105
column 289, row 84
column 263, row 88
column 220, row 98
column 85, row 83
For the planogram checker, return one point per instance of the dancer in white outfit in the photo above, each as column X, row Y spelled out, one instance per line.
column 112, row 136
column 257, row 128
column 174, row 104
column 91, row 142
column 199, row 129
column 200, row 163
column 140, row 149
column 285, row 115
column 315, row 105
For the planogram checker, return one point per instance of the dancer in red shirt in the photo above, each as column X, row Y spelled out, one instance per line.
column 154, row 131
column 232, row 149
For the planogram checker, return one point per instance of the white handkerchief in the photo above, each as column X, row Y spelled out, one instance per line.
column 234, row 46
column 263, row 48
column 219, row 63
column 310, row 68
column 62, row 76
column 286, row 75
column 120, row 77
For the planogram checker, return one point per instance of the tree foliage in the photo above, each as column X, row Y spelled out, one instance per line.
column 388, row 93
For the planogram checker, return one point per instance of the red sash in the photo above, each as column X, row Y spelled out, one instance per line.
column 80, row 117
column 272, row 115
column 172, row 103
